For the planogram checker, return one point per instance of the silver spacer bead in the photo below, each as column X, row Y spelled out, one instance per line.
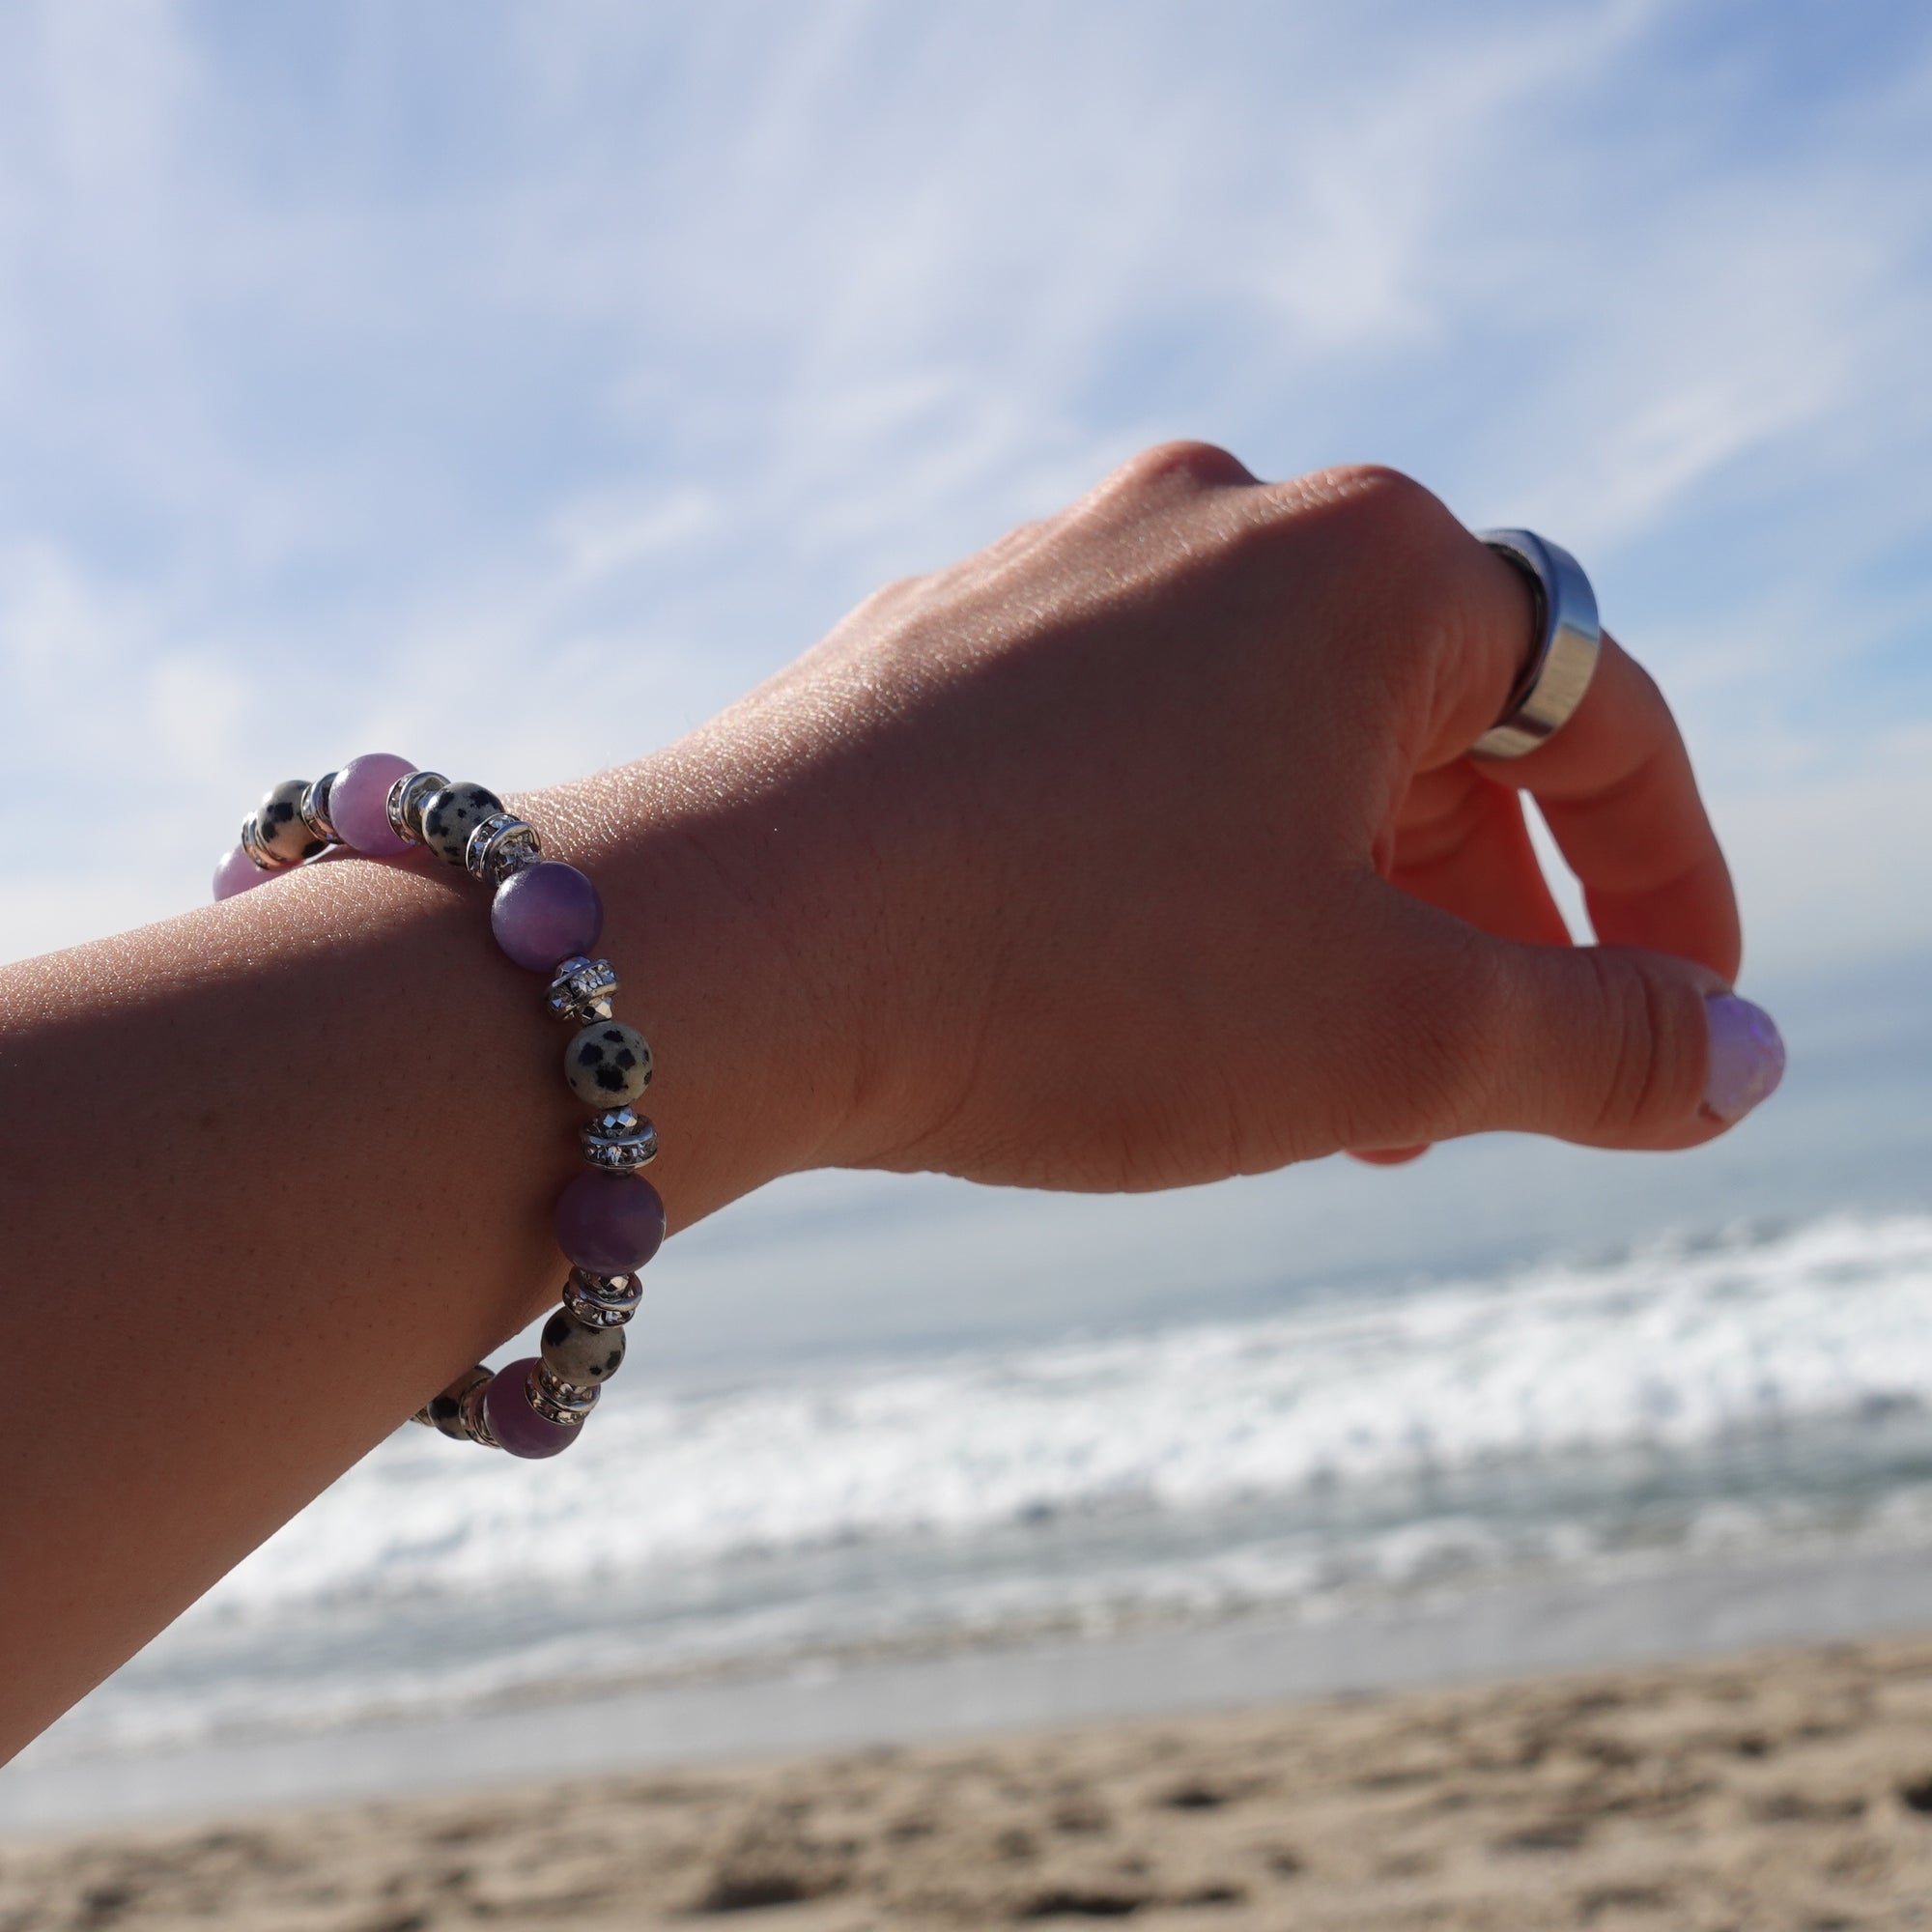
column 314, row 808
column 503, row 844
column 252, row 843
column 476, row 1423
column 405, row 803
column 557, row 1399
column 602, row 1300
column 582, row 990
column 444, row 1412
column 618, row 1142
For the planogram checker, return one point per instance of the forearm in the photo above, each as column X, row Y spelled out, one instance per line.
column 277, row 1169
column 1143, row 849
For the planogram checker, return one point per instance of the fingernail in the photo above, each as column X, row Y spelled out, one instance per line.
column 1747, row 1057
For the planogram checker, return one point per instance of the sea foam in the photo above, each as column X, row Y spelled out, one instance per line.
column 1742, row 1391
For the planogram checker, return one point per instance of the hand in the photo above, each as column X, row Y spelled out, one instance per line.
column 1143, row 849
column 1140, row 849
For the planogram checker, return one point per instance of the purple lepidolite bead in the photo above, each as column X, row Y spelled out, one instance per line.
column 236, row 873
column 515, row 1424
column 358, row 802
column 546, row 914
column 609, row 1223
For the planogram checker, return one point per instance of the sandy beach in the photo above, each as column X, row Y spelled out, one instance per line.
column 1784, row 1788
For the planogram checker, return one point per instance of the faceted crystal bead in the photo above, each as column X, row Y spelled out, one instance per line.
column 582, row 990
column 515, row 1424
column 546, row 913
column 618, row 1141
column 358, row 804
column 609, row 1223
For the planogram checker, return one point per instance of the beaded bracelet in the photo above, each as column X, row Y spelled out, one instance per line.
column 547, row 917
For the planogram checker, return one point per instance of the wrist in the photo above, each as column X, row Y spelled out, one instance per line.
column 725, row 974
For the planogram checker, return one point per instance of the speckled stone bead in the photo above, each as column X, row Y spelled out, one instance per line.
column 236, row 873
column 517, row 1427
column 545, row 914
column 358, row 804
column 278, row 824
column 547, row 917
column 608, row 1063
column 444, row 1412
column 609, row 1223
column 450, row 815
column 581, row 1356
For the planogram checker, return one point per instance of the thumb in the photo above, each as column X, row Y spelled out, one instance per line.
column 1608, row 1046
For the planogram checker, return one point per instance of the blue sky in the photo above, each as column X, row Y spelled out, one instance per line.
column 392, row 376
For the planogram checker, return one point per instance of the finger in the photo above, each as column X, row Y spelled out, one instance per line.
column 1462, row 844
column 1617, row 791
column 1463, row 847
column 1616, row 783
column 1610, row 1046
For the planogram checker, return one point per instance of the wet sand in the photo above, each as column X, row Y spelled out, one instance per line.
column 1779, row 1789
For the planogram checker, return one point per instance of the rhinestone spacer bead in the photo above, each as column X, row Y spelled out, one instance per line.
column 256, row 849
column 557, row 1399
column 472, row 1415
column 602, row 1300
column 618, row 1142
column 582, row 990
column 407, row 798
column 501, row 846
column 444, row 1412
column 314, row 808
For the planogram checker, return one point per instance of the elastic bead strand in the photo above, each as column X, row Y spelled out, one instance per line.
column 548, row 918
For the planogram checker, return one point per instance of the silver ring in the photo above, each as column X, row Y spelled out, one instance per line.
column 1568, row 635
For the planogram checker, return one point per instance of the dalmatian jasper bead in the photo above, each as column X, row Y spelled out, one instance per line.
column 608, row 1063
column 578, row 1355
column 450, row 815
column 279, row 827
column 444, row 1412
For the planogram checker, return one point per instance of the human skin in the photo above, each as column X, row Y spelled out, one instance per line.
column 1137, row 851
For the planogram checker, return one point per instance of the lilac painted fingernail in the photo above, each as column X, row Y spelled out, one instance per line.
column 1747, row 1057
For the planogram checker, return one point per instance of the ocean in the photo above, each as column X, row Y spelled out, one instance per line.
column 881, row 1419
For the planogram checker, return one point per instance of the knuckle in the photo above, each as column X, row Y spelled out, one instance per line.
column 890, row 598
column 1648, row 695
column 1649, row 1029
column 1378, row 504
column 1425, row 1065
column 1183, row 464
column 1458, row 1066
column 1395, row 547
